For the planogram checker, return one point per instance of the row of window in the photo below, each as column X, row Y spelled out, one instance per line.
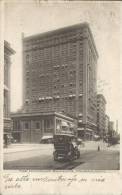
column 49, row 67
column 68, row 80
column 53, row 54
column 54, row 60
column 26, row 125
column 55, row 97
column 57, row 74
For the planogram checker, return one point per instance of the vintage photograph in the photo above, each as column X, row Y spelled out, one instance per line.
column 61, row 86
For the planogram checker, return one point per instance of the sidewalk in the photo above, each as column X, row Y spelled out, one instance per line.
column 93, row 145
column 13, row 148
column 88, row 145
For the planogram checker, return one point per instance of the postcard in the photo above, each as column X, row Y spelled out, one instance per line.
column 60, row 108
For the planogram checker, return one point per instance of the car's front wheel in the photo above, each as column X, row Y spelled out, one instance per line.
column 78, row 154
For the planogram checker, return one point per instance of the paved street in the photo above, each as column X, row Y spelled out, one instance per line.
column 40, row 157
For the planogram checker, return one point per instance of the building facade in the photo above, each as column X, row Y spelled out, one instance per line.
column 8, row 51
column 106, row 124
column 111, row 128
column 59, row 74
column 32, row 127
column 101, row 109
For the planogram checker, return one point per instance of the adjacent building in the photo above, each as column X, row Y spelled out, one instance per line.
column 111, row 128
column 101, row 108
column 33, row 127
column 59, row 75
column 107, row 119
column 8, row 51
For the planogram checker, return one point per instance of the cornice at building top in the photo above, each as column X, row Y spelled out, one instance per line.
column 56, row 31
column 34, row 114
column 63, row 30
column 101, row 96
column 8, row 49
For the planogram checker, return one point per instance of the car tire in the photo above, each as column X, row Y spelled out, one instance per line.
column 78, row 154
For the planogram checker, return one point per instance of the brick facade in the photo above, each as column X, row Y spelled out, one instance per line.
column 59, row 73
column 101, row 108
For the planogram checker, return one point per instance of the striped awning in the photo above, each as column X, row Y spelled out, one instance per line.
column 81, row 129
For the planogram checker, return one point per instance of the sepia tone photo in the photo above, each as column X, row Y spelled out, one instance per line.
column 61, row 86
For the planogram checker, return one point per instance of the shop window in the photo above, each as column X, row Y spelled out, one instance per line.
column 48, row 125
column 26, row 125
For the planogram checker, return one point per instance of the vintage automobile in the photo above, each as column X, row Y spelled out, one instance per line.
column 66, row 147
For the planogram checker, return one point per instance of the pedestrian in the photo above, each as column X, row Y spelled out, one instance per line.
column 6, row 140
column 98, row 148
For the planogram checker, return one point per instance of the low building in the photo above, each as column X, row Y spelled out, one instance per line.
column 32, row 127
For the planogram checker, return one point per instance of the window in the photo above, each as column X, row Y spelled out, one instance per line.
column 37, row 125
column 16, row 125
column 27, row 59
column 48, row 125
column 26, row 125
column 27, row 101
column 71, row 84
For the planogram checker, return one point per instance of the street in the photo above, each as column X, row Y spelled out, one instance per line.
column 40, row 157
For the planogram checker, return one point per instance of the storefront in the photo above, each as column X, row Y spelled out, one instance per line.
column 32, row 127
column 85, row 134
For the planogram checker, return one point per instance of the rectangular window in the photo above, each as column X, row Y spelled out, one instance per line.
column 37, row 125
column 48, row 125
column 26, row 125
column 16, row 125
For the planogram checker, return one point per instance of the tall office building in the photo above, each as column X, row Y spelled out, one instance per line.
column 59, row 73
column 8, row 51
column 101, row 108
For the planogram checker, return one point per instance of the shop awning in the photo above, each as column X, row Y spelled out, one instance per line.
column 64, row 124
column 81, row 129
column 96, row 136
column 47, row 137
column 72, row 125
column 89, row 130
column 80, row 121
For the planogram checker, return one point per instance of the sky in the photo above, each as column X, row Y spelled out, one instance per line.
column 34, row 16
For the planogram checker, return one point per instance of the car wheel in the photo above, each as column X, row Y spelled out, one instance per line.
column 78, row 154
